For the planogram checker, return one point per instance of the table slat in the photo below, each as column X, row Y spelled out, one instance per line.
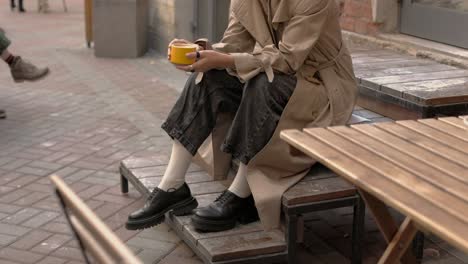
column 458, row 122
column 448, row 128
column 426, row 214
column 423, row 170
column 387, row 171
column 417, row 152
column 436, row 135
column 425, row 142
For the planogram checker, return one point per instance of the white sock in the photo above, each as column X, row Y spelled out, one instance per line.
column 180, row 160
column 240, row 186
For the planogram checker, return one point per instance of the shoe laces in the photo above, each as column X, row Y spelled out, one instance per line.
column 224, row 197
column 154, row 193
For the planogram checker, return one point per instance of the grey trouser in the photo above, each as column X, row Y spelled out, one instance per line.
column 257, row 106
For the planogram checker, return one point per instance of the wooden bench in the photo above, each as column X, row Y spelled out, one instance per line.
column 419, row 168
column 93, row 235
column 321, row 189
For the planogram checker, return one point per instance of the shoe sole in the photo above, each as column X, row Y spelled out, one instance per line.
column 33, row 80
column 209, row 225
column 184, row 207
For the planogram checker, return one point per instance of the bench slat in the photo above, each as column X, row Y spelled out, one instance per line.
column 243, row 245
column 430, row 216
column 318, row 190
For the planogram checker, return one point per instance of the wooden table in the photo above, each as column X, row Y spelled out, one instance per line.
column 419, row 168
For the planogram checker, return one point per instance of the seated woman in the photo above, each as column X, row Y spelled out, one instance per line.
column 281, row 65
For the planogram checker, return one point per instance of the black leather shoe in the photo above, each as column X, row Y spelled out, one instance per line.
column 180, row 201
column 224, row 212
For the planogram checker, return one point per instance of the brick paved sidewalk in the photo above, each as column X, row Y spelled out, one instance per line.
column 78, row 123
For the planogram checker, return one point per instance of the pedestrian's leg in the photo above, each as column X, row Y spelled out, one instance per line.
column 4, row 44
column 12, row 4
column 21, row 7
column 189, row 123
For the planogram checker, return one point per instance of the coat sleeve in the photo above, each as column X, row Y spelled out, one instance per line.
column 299, row 37
column 236, row 38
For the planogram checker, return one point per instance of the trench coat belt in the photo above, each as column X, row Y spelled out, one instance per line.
column 329, row 63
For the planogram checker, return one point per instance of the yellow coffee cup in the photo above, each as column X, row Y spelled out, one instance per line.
column 178, row 51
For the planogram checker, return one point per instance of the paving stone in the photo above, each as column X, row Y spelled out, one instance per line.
column 151, row 244
column 22, row 181
column 41, row 219
column 183, row 251
column 31, row 239
column 52, row 260
column 45, row 165
column 21, row 216
column 68, row 253
column 167, row 236
column 55, row 227
column 9, row 209
column 20, row 255
column 176, row 259
column 6, row 239
column 151, row 255
column 51, row 244
column 13, row 230
column 32, row 198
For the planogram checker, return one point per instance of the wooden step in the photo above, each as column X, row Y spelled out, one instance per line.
column 245, row 243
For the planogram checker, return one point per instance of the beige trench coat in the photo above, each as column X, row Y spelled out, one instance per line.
column 300, row 37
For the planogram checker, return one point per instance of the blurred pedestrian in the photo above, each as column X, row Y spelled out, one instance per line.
column 20, row 5
column 43, row 6
column 21, row 70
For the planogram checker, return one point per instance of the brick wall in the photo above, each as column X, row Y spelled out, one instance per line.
column 357, row 17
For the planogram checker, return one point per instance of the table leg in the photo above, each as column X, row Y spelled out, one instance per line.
column 387, row 225
column 400, row 243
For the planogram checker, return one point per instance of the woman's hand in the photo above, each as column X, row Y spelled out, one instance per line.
column 208, row 60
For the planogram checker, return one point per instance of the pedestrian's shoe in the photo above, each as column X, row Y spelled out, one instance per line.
column 224, row 212
column 22, row 10
column 22, row 70
column 2, row 114
column 180, row 202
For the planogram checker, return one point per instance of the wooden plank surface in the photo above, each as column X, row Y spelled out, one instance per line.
column 423, row 170
column 387, row 171
column 243, row 245
column 417, row 152
column 318, row 190
column 408, row 199
column 448, row 126
column 444, row 150
column 458, row 122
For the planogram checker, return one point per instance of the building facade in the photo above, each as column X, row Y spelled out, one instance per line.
column 443, row 21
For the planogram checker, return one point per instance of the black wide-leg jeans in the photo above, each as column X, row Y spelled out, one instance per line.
column 257, row 106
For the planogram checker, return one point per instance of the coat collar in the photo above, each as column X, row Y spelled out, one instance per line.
column 257, row 25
